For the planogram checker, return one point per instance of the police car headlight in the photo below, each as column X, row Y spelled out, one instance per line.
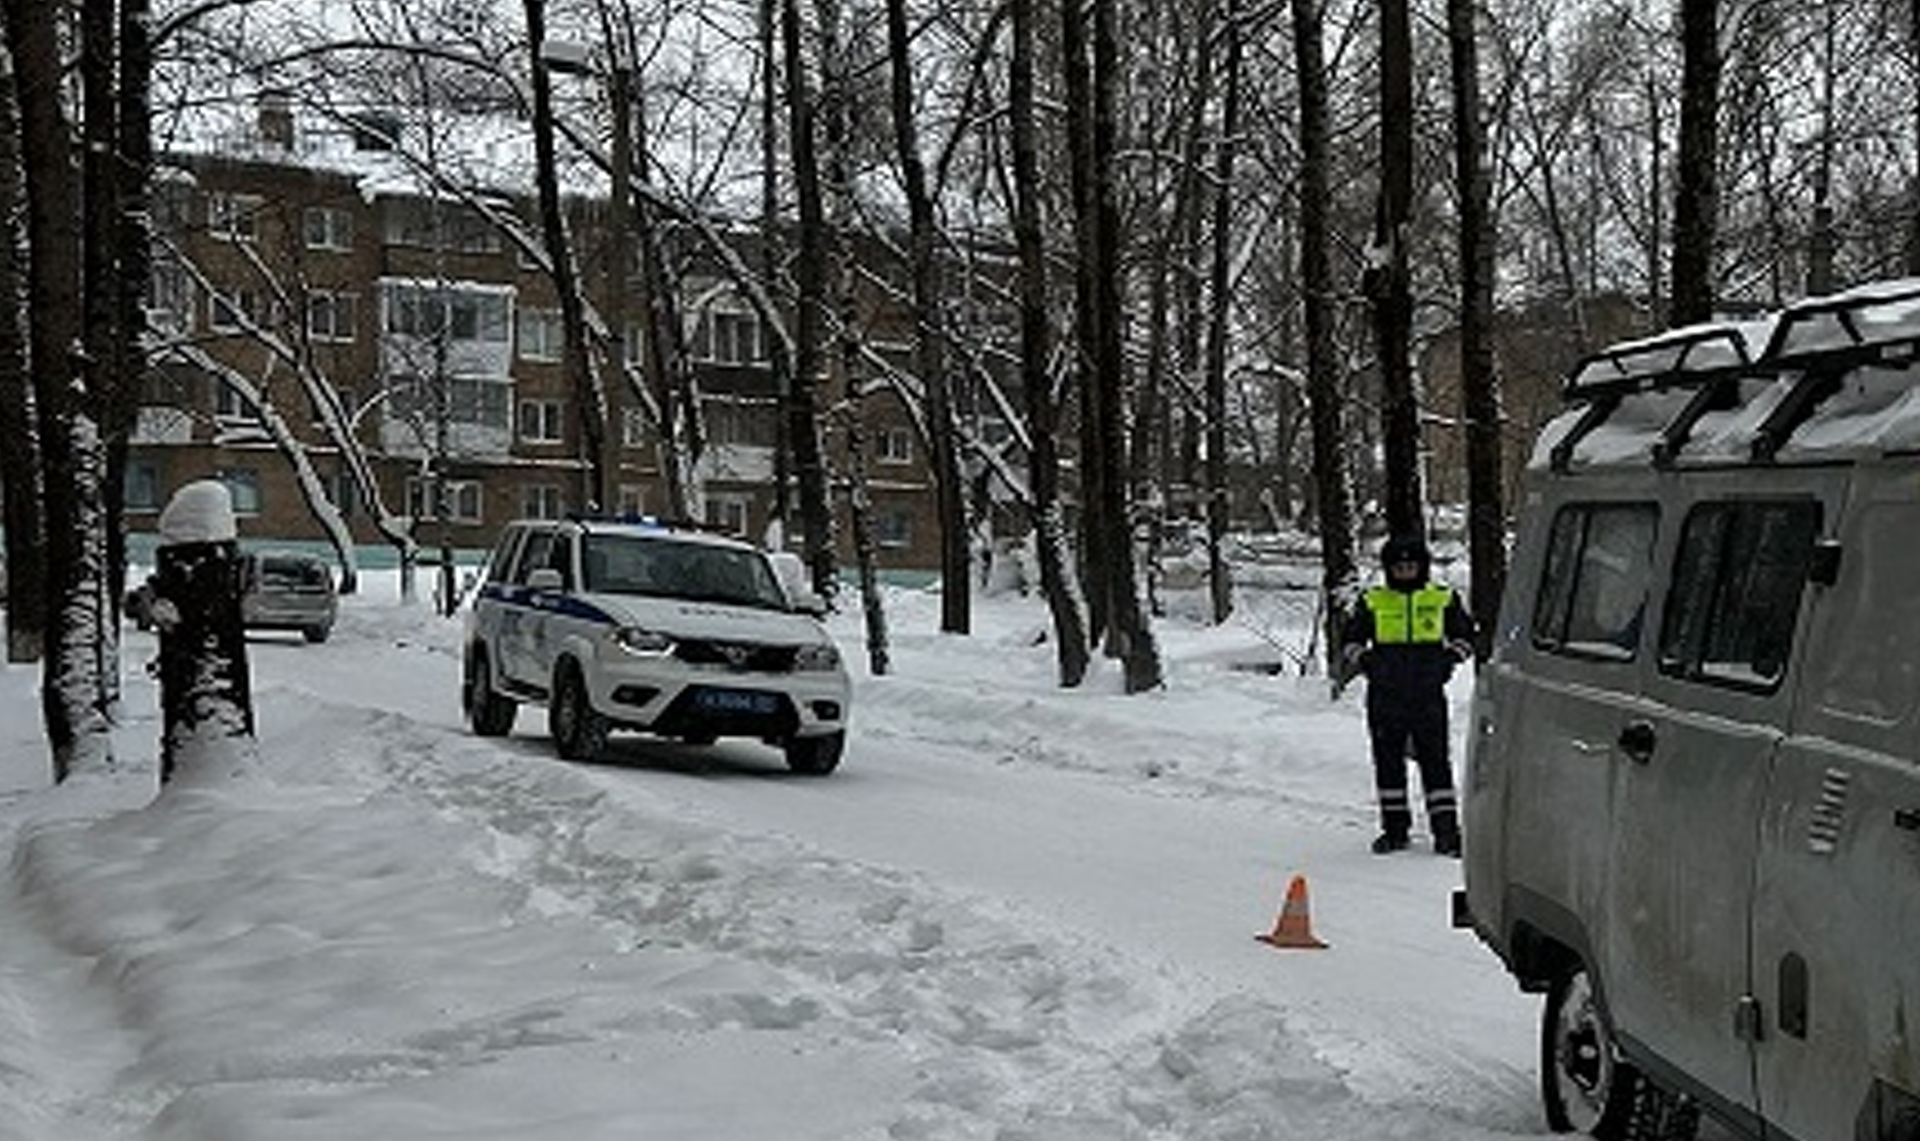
column 642, row 643
column 822, row 657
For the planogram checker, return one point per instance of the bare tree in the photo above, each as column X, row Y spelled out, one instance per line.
column 930, row 363
column 72, row 456
column 1390, row 285
column 1043, row 399
column 1479, row 365
column 1333, row 510
column 20, row 469
column 1696, row 195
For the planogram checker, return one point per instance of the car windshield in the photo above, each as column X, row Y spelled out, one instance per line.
column 633, row 564
column 292, row 574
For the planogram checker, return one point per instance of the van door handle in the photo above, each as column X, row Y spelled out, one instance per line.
column 1907, row 818
column 1637, row 741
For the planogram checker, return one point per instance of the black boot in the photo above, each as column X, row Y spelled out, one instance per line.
column 1446, row 842
column 1387, row 842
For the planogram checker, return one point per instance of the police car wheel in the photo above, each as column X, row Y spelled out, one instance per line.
column 579, row 731
column 815, row 756
column 488, row 713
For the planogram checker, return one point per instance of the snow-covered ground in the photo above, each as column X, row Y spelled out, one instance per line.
column 1016, row 913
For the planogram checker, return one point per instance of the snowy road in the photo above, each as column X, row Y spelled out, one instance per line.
column 1164, row 829
column 1015, row 914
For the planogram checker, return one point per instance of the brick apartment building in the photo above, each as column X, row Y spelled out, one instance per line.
column 444, row 343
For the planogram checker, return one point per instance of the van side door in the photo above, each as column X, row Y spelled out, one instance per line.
column 1692, row 779
column 1836, row 923
column 1563, row 678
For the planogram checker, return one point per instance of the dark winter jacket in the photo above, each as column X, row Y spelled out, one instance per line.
column 1407, row 641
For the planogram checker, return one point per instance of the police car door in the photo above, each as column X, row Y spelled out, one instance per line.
column 523, row 621
column 1836, row 922
column 1693, row 773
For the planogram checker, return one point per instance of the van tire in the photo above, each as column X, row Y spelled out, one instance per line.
column 1585, row 1083
column 579, row 730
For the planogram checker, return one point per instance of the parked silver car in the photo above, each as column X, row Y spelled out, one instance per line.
column 279, row 590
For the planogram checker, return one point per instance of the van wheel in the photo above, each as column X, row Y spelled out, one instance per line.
column 579, row 731
column 488, row 713
column 317, row 634
column 1588, row 1087
column 815, row 756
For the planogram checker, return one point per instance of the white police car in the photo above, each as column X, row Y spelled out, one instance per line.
column 633, row 624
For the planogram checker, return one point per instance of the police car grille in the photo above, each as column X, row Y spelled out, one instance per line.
column 744, row 657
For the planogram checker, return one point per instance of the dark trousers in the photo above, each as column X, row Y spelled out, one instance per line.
column 1420, row 722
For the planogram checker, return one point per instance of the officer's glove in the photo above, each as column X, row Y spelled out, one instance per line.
column 1461, row 649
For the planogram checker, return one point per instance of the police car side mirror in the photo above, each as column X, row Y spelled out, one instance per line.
column 546, row 578
column 1824, row 567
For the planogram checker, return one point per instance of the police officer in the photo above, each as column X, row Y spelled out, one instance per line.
column 1406, row 636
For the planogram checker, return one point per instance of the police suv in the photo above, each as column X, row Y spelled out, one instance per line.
column 634, row 624
column 1693, row 781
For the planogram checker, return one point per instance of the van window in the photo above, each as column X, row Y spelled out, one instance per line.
column 1736, row 591
column 1873, row 669
column 1593, row 593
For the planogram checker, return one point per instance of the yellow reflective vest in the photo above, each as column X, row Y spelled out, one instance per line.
column 1400, row 618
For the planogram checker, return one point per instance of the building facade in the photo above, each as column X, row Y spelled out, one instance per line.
column 406, row 346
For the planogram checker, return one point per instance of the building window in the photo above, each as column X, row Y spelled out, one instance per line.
column 230, row 217
column 227, row 402
column 170, row 298
column 542, row 501
column 460, row 500
column 140, row 490
column 728, row 512
column 893, row 530
column 430, row 312
column 244, row 485
column 633, row 428
column 440, row 226
column 481, row 401
column 345, row 492
column 541, row 423
column 327, row 228
column 739, row 423
column 632, row 500
column 331, row 316
column 229, row 310
column 725, row 335
column 895, row 446
column 541, row 335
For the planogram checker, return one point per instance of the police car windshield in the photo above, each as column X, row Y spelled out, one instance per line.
column 664, row 568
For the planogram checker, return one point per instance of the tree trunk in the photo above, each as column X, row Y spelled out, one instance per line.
column 71, row 455
column 1332, row 508
column 1479, row 365
column 930, row 358
column 1219, row 500
column 1131, row 634
column 589, row 396
column 1389, row 283
column 1094, row 532
column 809, row 465
column 1696, row 197
column 1036, row 353
column 26, row 609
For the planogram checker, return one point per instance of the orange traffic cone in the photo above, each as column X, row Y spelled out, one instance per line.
column 1294, row 928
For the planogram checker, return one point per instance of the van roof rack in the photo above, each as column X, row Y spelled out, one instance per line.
column 1707, row 358
column 1812, row 345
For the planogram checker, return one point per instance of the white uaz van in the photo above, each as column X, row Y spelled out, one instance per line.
column 1693, row 780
